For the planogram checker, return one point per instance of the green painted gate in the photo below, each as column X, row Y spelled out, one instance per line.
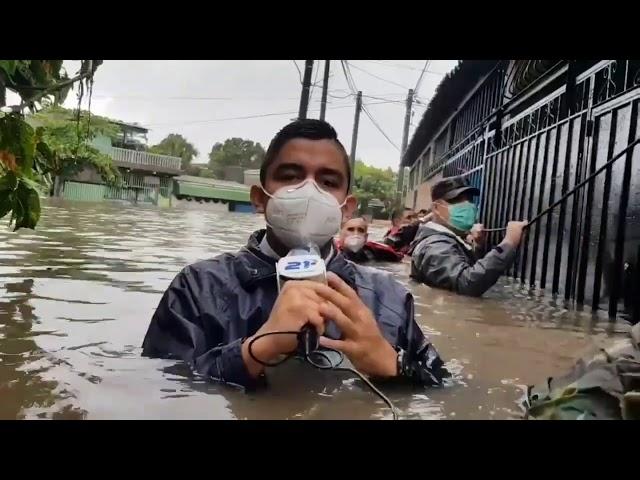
column 83, row 192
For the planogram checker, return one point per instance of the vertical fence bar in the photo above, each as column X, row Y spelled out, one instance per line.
column 533, row 161
column 483, row 190
column 493, row 169
column 572, row 251
column 540, row 199
column 500, row 197
column 602, row 237
column 621, row 227
column 523, row 182
column 507, row 185
column 500, row 163
column 552, row 197
column 555, row 286
column 586, row 236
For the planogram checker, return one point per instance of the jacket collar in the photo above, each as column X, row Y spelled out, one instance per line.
column 432, row 227
column 442, row 229
column 253, row 266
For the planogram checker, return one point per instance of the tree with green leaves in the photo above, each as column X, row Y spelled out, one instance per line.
column 235, row 152
column 371, row 182
column 68, row 151
column 199, row 171
column 27, row 160
column 176, row 145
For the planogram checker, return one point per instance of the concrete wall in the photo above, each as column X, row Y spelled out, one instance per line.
column 423, row 197
column 252, row 177
column 87, row 175
column 234, row 174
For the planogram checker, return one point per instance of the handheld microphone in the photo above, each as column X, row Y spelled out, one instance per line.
column 303, row 264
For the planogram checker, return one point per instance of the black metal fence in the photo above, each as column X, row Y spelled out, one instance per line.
column 526, row 157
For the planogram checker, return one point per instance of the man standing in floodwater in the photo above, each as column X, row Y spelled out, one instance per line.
column 355, row 245
column 404, row 225
column 214, row 309
column 443, row 255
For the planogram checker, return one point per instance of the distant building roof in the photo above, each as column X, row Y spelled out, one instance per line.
column 199, row 187
column 131, row 126
column 210, row 182
column 457, row 85
column 450, row 92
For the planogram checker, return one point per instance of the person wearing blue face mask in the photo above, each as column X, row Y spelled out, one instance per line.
column 446, row 251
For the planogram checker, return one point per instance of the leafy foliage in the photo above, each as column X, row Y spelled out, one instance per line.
column 19, row 192
column 28, row 77
column 28, row 155
column 176, row 146
column 199, row 171
column 68, row 149
column 235, row 152
column 371, row 182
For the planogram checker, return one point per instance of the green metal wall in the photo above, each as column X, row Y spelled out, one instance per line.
column 203, row 191
column 84, row 192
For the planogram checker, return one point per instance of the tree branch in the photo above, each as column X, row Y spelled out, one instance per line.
column 53, row 88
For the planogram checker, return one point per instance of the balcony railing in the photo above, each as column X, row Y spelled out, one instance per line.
column 145, row 159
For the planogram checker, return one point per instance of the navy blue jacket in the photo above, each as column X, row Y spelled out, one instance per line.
column 213, row 305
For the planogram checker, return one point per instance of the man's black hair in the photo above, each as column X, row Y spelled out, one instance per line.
column 308, row 128
column 397, row 213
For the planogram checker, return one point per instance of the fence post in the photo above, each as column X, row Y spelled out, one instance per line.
column 570, row 92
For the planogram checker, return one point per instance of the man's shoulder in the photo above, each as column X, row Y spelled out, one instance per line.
column 221, row 268
column 212, row 263
column 378, row 280
column 382, row 293
column 434, row 239
column 440, row 239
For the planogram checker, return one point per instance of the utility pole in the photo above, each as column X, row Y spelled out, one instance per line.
column 405, row 139
column 354, row 138
column 325, row 87
column 306, row 86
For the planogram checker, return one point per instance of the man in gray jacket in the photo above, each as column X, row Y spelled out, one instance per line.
column 443, row 255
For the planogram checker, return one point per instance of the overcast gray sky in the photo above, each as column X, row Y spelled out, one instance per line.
column 167, row 97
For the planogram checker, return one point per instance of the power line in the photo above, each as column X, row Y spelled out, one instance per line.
column 379, row 78
column 246, row 117
column 398, row 102
column 299, row 72
column 364, row 109
column 401, row 102
column 339, row 97
column 154, row 99
column 368, row 96
column 424, row 69
column 395, row 65
column 235, row 99
column 315, row 80
column 352, row 85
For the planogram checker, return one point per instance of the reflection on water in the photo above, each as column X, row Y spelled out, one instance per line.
column 77, row 294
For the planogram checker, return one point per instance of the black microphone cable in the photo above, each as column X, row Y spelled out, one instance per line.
column 306, row 353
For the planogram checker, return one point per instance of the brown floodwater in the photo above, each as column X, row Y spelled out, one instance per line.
column 77, row 294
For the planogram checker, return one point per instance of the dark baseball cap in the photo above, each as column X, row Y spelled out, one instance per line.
column 452, row 187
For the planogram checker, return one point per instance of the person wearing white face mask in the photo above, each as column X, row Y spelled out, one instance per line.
column 355, row 245
column 214, row 309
